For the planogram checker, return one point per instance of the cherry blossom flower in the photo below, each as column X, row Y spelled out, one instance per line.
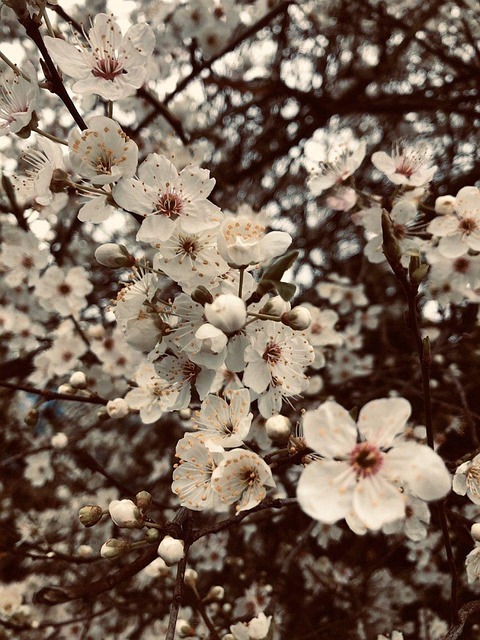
column 180, row 374
column 190, row 258
column 276, row 360
column 242, row 241
column 472, row 564
column 18, row 99
column 225, row 424
column 168, row 200
column 409, row 164
column 257, row 629
column 63, row 290
column 341, row 163
column 459, row 231
column 36, row 182
column 466, row 480
column 321, row 332
column 192, row 478
column 242, row 477
column 113, row 65
column 153, row 396
column 364, row 468
column 102, row 153
column 22, row 258
column 406, row 224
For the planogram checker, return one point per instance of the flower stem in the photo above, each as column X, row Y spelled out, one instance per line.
column 49, row 136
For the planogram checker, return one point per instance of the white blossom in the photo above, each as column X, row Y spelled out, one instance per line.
column 111, row 65
column 365, row 467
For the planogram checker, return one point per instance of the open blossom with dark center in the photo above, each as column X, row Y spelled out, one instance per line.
column 110, row 65
column 153, row 396
column 168, row 200
column 341, row 163
column 242, row 477
column 102, row 153
column 276, row 360
column 466, row 480
column 192, row 478
column 18, row 99
column 459, row 231
column 409, row 164
column 42, row 163
column 225, row 424
column 63, row 290
column 366, row 469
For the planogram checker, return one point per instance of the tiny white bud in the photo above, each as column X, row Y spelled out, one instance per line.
column 276, row 306
column 113, row 548
column 85, row 551
column 78, row 380
column 59, row 440
column 227, row 312
column 125, row 513
column 475, row 531
column 185, row 414
column 191, row 577
column 171, row 550
column 445, row 205
column 278, row 427
column 66, row 388
column 114, row 256
column 216, row 592
column 298, row 318
column 118, row 408
column 184, row 629
column 157, row 569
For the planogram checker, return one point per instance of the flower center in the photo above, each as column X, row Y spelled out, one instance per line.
column 467, row 225
column 272, row 353
column 400, row 231
column 461, row 265
column 366, row 459
column 107, row 68
column 169, row 204
column 64, row 289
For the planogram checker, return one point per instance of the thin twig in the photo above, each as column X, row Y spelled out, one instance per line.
column 53, row 395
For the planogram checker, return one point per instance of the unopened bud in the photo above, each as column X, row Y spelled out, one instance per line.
column 125, row 513
column 391, row 247
column 216, row 592
column 85, row 551
column 278, row 428
column 78, row 380
column 298, row 318
column 445, row 205
column 184, row 629
column 143, row 500
column 66, row 389
column 227, row 312
column 171, row 550
column 96, row 332
column 118, row 408
column 185, row 414
column 31, row 418
column 114, row 256
column 202, row 295
column 59, row 440
column 276, row 306
column 114, row 548
column 90, row 514
column 475, row 531
column 191, row 577
column 152, row 535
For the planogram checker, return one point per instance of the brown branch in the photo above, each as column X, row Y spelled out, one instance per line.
column 53, row 395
